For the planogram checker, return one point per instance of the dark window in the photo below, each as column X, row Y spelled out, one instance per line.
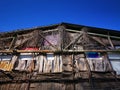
column 93, row 55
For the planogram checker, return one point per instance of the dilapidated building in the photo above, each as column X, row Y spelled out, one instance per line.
column 60, row 57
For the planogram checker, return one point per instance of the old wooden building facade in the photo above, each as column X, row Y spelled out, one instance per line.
column 60, row 57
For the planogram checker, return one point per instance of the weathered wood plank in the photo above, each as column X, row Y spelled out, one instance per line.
column 55, row 51
column 61, row 64
column 40, row 63
column 89, row 33
column 74, row 41
column 55, row 64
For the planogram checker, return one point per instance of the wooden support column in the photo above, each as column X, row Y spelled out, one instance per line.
column 61, row 30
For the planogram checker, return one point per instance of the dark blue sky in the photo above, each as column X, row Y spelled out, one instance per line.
column 20, row 14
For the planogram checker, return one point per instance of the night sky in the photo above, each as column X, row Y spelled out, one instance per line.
column 21, row 14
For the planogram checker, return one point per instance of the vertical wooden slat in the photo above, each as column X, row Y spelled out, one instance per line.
column 14, row 59
column 54, row 64
column 57, row 66
column 37, row 64
column 21, row 65
column 41, row 63
column 61, row 29
column 45, row 64
column 61, row 63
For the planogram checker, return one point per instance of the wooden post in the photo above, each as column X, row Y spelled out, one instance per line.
column 61, row 30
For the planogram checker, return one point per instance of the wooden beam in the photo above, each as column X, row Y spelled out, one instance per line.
column 74, row 41
column 5, row 38
column 52, row 30
column 55, row 51
column 79, row 51
column 6, row 51
column 35, row 51
column 110, row 41
column 13, row 41
column 99, row 41
column 48, row 41
column 96, row 34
